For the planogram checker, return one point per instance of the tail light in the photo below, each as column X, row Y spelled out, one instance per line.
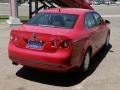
column 64, row 44
column 11, row 37
column 16, row 42
column 60, row 43
column 54, row 43
column 14, row 39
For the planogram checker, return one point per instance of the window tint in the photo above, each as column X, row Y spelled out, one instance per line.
column 98, row 18
column 54, row 20
column 89, row 20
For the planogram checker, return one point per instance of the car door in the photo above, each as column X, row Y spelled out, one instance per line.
column 92, row 29
column 101, row 28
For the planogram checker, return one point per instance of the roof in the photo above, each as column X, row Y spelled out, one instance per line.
column 77, row 11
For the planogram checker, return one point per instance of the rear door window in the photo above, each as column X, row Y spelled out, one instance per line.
column 89, row 21
column 98, row 18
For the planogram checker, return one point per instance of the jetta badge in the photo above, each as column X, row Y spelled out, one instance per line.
column 34, row 35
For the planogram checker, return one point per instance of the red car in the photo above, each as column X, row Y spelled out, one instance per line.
column 59, row 39
column 74, row 3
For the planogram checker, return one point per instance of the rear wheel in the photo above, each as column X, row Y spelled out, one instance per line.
column 107, row 40
column 86, row 61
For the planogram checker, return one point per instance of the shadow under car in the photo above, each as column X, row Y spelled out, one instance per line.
column 62, row 79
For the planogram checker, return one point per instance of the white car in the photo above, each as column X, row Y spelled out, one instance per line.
column 118, row 2
column 95, row 2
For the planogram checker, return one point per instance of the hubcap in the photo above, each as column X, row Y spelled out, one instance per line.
column 87, row 61
column 107, row 42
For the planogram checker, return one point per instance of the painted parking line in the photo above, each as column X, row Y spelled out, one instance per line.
column 3, row 3
column 115, row 16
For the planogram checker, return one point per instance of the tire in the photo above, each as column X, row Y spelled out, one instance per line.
column 107, row 40
column 86, row 61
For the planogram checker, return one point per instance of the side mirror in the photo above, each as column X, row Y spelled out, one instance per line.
column 107, row 22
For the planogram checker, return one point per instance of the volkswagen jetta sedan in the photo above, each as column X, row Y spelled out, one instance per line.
column 59, row 39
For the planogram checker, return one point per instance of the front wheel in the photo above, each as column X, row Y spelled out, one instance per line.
column 86, row 61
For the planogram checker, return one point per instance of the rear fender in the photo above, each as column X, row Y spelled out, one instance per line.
column 78, row 50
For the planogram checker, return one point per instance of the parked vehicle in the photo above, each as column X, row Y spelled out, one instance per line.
column 75, row 3
column 117, row 2
column 59, row 39
column 96, row 2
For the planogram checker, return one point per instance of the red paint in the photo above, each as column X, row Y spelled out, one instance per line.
column 75, row 3
column 55, row 58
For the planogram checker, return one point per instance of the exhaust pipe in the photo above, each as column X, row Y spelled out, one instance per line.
column 14, row 63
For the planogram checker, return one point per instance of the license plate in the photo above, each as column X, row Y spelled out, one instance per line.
column 34, row 44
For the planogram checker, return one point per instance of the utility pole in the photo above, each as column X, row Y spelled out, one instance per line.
column 13, row 19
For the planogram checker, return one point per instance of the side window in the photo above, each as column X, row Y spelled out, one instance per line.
column 98, row 18
column 89, row 20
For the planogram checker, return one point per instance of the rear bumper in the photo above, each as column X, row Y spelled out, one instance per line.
column 43, row 65
column 58, row 61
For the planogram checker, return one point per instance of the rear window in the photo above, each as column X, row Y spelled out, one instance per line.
column 54, row 20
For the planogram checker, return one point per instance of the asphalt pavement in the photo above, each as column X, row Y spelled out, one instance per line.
column 104, row 73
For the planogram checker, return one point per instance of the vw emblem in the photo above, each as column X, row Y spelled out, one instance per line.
column 34, row 35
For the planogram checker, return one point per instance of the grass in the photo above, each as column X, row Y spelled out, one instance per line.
column 3, row 18
column 24, row 18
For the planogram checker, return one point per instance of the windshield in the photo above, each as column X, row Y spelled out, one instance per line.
column 54, row 20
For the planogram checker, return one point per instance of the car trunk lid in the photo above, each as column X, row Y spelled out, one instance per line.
column 40, row 38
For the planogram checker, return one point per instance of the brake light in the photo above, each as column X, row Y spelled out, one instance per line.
column 16, row 42
column 60, row 43
column 54, row 43
column 11, row 36
column 14, row 39
column 64, row 44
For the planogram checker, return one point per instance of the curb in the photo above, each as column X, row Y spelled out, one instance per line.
column 110, row 16
column 4, row 3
